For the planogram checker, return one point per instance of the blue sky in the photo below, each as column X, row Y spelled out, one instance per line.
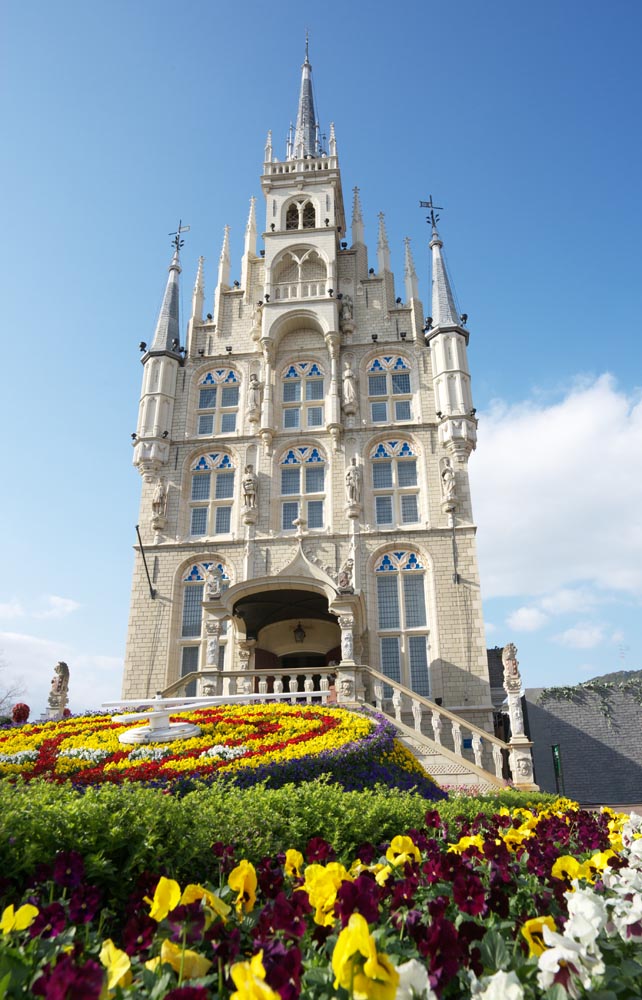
column 522, row 120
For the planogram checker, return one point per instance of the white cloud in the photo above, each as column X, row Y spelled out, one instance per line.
column 527, row 619
column 58, row 607
column 557, row 495
column 490, row 628
column 11, row 609
column 584, row 635
column 566, row 601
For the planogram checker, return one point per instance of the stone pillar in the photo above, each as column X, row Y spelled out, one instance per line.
column 267, row 410
column 245, row 656
column 520, row 758
column 213, row 629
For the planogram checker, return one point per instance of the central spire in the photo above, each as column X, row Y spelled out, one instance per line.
column 306, row 141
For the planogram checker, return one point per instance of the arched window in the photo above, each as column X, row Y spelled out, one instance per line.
column 402, row 621
column 301, row 214
column 218, row 402
column 292, row 217
column 389, row 393
column 309, row 216
column 303, row 393
column 394, row 483
column 212, row 493
column 302, row 487
column 192, row 618
column 300, row 273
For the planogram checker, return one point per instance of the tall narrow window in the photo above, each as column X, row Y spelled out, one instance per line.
column 402, row 620
column 212, row 494
column 389, row 393
column 303, row 396
column 218, row 402
column 394, row 483
column 192, row 619
column 302, row 487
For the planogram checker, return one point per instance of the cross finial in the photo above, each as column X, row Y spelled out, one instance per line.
column 177, row 242
column 433, row 218
column 307, row 40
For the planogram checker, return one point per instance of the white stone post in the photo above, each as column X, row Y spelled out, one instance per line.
column 520, row 758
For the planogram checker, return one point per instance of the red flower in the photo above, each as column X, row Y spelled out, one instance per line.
column 283, row 967
column 138, row 933
column 49, row 923
column 319, row 850
column 360, row 896
column 68, row 869
column 20, row 712
column 468, row 893
column 68, row 981
column 188, row 993
column 84, row 903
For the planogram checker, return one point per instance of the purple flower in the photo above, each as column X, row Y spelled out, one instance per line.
column 468, row 893
column 360, row 896
column 84, row 903
column 68, row 869
column 319, row 850
column 50, row 922
column 270, row 877
column 68, row 981
column 187, row 922
column 138, row 933
column 188, row 993
column 283, row 967
column 283, row 914
column 226, row 944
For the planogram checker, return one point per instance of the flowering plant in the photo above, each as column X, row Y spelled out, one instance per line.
column 20, row 712
column 527, row 903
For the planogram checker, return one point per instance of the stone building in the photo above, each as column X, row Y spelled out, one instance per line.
column 303, row 449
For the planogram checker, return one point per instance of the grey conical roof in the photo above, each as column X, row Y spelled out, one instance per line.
column 305, row 133
column 167, row 327
column 444, row 311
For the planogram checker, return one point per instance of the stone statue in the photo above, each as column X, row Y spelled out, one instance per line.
column 249, row 486
column 512, row 677
column 347, row 645
column 448, row 484
column 353, row 482
column 346, row 687
column 344, row 579
column 346, row 309
column 59, row 688
column 254, row 393
column 212, row 584
column 159, row 499
column 349, row 388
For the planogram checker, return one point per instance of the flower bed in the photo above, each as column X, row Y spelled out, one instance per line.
column 275, row 744
column 520, row 905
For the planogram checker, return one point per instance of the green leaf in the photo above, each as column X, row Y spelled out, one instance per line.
column 494, row 953
column 556, row 992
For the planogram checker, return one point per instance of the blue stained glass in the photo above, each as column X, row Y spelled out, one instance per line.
column 376, row 366
column 385, row 564
column 387, row 360
column 392, row 444
column 413, row 562
column 202, row 463
column 400, row 363
column 194, row 574
column 314, row 456
column 290, row 459
column 225, row 463
column 231, row 376
column 208, row 380
column 406, row 450
column 291, row 373
column 380, row 452
column 315, row 370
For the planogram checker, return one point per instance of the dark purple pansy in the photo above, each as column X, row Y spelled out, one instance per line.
column 68, row 869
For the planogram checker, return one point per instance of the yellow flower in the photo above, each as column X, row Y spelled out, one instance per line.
column 465, row 842
column 249, row 979
column 193, row 893
column 166, row 897
column 383, row 874
column 597, row 863
column 18, row 920
column 321, row 885
column 192, row 964
column 243, row 881
column 293, row 863
column 514, row 838
column 117, row 963
column 402, row 850
column 357, row 965
column 568, row 868
column 533, row 929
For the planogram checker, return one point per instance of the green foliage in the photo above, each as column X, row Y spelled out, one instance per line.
column 121, row 831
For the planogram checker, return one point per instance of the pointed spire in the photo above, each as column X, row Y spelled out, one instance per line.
column 268, row 147
column 199, row 293
column 166, row 337
column 224, row 260
column 305, row 135
column 249, row 249
column 357, row 219
column 383, row 250
column 332, row 146
column 444, row 312
column 410, row 275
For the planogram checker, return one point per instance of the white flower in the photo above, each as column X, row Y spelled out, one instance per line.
column 413, row 982
column 501, row 986
column 587, row 916
column 564, row 955
column 19, row 757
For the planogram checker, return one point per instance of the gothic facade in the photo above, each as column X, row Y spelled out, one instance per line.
column 303, row 452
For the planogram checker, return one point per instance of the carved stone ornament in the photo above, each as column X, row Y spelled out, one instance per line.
column 249, row 486
column 212, row 585
column 512, row 677
column 59, row 688
column 346, row 687
column 344, row 579
column 353, row 483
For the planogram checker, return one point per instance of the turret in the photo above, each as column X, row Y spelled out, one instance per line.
column 160, row 365
column 249, row 250
column 448, row 339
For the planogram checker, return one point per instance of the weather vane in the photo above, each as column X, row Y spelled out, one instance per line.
column 177, row 242
column 432, row 218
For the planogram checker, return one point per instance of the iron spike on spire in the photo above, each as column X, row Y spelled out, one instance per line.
column 433, row 218
column 177, row 242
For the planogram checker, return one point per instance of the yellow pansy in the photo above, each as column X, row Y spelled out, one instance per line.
column 321, row 885
column 194, row 893
column 18, row 920
column 402, row 850
column 357, row 965
column 249, row 979
column 192, row 965
column 598, row 862
column 117, row 963
column 533, row 930
column 464, row 843
column 569, row 868
column 293, row 863
column 243, row 881
column 166, row 898
column 514, row 838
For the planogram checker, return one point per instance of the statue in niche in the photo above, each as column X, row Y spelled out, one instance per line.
column 159, row 499
column 212, row 584
column 254, row 393
column 249, row 486
column 353, row 482
column 349, row 387
column 346, row 309
column 59, row 687
column 448, row 483
column 344, row 580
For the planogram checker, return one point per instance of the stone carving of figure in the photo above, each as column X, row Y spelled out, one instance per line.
column 524, row 767
column 448, row 483
column 254, row 393
column 59, row 687
column 212, row 584
column 347, row 645
column 349, row 388
column 344, row 579
column 512, row 677
column 249, row 486
column 353, row 482
column 346, row 687
column 346, row 309
column 159, row 499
